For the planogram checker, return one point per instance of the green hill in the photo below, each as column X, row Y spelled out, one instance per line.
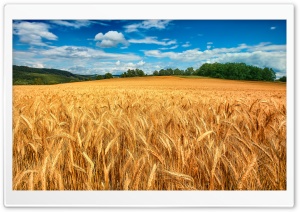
column 23, row 75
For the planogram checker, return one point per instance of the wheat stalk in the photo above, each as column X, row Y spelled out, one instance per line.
column 151, row 176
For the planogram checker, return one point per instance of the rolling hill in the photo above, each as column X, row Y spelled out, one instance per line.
column 23, row 75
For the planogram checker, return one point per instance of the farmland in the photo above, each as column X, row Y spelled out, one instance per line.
column 150, row 133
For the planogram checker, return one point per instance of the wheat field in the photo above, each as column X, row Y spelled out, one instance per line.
column 151, row 133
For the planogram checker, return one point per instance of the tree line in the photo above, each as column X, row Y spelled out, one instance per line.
column 105, row 76
column 133, row 73
column 235, row 71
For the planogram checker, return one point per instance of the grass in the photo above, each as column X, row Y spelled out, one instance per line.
column 154, row 133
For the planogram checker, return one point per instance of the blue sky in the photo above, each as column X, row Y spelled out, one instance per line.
column 101, row 46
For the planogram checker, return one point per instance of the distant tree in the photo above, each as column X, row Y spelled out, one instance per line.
column 133, row 73
column 162, row 72
column 282, row 79
column 99, row 77
column 169, row 72
column 155, row 73
column 108, row 76
column 189, row 71
column 236, row 71
column 177, row 71
column 139, row 73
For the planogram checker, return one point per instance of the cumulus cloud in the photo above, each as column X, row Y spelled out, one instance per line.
column 110, row 39
column 118, row 63
column 152, row 40
column 33, row 33
column 148, row 24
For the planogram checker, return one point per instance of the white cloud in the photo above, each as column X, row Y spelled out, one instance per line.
column 148, row 24
column 275, row 60
column 209, row 45
column 74, row 24
column 187, row 44
column 267, row 47
column 141, row 63
column 159, row 24
column 80, row 60
column 84, row 53
column 174, row 47
column 168, row 48
column 38, row 65
column 262, row 55
column 132, row 27
column 188, row 55
column 111, row 67
column 33, row 33
column 152, row 40
column 78, row 69
column 110, row 39
column 272, row 28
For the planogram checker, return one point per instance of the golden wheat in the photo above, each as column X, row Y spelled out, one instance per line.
column 152, row 133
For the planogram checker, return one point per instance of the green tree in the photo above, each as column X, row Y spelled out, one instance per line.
column 108, row 76
column 189, row 71
column 162, row 72
column 282, row 79
column 236, row 71
column 139, row 73
column 99, row 77
column 155, row 73
column 177, row 71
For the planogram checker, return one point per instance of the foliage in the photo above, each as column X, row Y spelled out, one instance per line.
column 133, row 73
column 282, row 79
column 108, row 76
column 236, row 71
column 99, row 77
